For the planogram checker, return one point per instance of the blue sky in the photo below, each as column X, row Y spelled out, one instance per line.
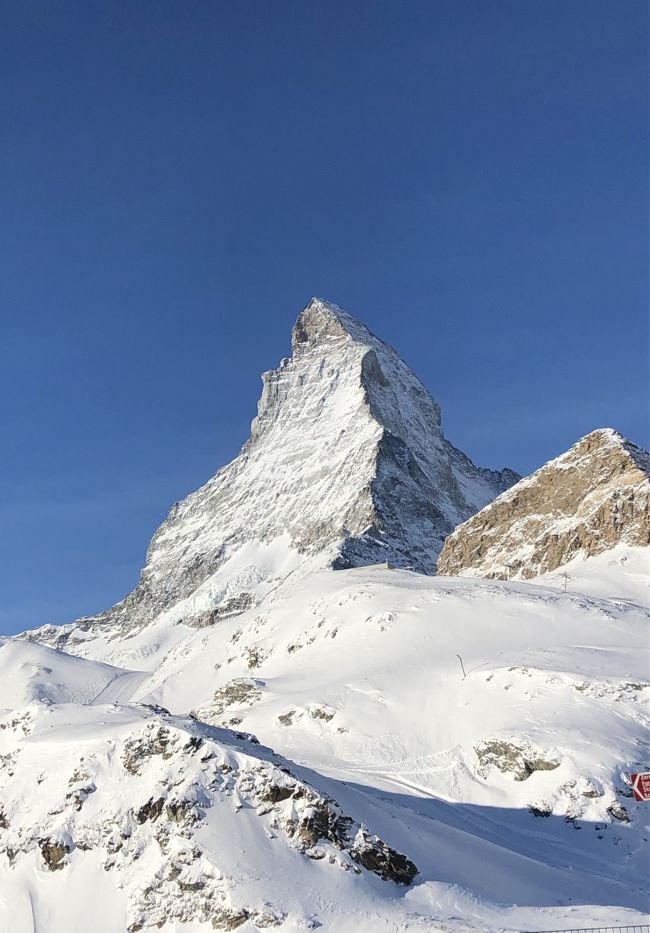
column 178, row 178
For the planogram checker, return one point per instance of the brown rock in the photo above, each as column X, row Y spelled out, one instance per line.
column 588, row 500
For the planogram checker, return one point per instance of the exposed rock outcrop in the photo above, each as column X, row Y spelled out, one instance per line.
column 171, row 792
column 513, row 758
column 586, row 501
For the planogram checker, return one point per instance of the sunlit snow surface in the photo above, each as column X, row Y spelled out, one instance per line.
column 353, row 676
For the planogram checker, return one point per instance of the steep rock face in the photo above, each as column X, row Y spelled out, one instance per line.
column 346, row 460
column 588, row 500
column 346, row 449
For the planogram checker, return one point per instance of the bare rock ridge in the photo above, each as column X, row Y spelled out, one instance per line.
column 346, row 459
column 586, row 501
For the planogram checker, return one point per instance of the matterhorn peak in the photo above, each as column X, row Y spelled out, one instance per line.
column 346, row 465
column 321, row 321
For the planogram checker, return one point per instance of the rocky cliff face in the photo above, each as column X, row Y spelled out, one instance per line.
column 591, row 498
column 346, row 460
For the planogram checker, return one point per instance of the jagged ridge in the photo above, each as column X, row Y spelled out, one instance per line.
column 591, row 498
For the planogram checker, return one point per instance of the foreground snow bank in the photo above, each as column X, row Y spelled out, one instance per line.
column 508, row 785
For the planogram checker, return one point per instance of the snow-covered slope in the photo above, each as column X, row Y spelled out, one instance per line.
column 621, row 571
column 593, row 497
column 346, row 463
column 445, row 748
column 29, row 671
column 505, row 786
column 122, row 818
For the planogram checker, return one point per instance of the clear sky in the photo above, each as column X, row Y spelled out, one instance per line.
column 178, row 178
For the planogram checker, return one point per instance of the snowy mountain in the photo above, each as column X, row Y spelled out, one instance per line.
column 346, row 463
column 292, row 723
column 509, row 785
column 593, row 497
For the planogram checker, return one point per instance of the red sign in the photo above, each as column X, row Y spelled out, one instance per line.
column 641, row 785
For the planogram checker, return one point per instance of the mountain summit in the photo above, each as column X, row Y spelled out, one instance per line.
column 356, row 445
column 346, row 460
column 586, row 501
